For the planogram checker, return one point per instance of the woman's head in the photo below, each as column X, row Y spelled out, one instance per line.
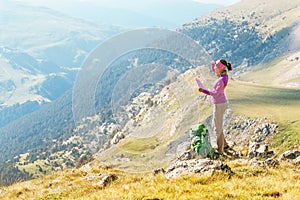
column 220, row 66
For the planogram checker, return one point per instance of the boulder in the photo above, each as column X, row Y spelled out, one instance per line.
column 107, row 179
column 270, row 162
column 289, row 155
column 116, row 139
column 292, row 156
column 259, row 150
column 196, row 166
column 159, row 171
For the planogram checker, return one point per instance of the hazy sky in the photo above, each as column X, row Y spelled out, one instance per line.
column 119, row 3
column 124, row 12
column 219, row 2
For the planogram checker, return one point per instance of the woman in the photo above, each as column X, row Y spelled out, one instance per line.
column 219, row 100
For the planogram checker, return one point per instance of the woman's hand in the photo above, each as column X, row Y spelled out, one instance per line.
column 200, row 90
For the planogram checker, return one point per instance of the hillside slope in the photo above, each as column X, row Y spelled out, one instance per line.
column 282, row 72
column 155, row 139
column 249, row 32
column 153, row 134
column 252, row 35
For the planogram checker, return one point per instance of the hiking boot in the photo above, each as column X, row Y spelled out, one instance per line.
column 216, row 149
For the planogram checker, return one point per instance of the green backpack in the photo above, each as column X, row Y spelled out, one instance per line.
column 199, row 141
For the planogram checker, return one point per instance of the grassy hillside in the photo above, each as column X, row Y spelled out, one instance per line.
column 282, row 72
column 152, row 143
column 246, row 183
column 254, row 100
column 138, row 156
column 281, row 105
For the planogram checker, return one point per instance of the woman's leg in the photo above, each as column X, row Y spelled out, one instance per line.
column 218, row 136
column 213, row 134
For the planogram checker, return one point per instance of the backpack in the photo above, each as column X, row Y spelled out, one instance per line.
column 199, row 141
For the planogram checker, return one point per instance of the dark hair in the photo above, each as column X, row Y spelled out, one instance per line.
column 227, row 64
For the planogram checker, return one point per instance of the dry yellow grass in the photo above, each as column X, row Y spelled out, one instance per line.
column 282, row 182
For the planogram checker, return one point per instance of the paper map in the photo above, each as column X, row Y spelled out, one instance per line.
column 200, row 85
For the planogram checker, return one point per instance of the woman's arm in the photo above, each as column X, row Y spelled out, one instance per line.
column 217, row 88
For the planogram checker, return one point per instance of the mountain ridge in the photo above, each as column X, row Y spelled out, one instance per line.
column 247, row 33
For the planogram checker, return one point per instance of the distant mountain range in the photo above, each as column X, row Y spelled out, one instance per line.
column 41, row 51
column 47, row 34
column 44, row 48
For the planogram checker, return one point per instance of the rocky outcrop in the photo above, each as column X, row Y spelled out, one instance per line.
column 252, row 134
column 259, row 156
column 257, row 150
column 242, row 131
column 196, row 166
column 106, row 179
column 270, row 162
column 292, row 156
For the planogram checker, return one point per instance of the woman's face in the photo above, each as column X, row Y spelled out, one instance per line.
column 217, row 70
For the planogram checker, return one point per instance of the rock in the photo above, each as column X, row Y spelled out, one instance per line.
column 159, row 171
column 263, row 152
column 270, row 162
column 107, row 179
column 255, row 162
column 289, row 155
column 86, row 168
column 90, row 178
column 182, row 149
column 257, row 150
column 187, row 155
column 296, row 161
column 116, row 139
column 199, row 166
column 253, row 146
column 292, row 156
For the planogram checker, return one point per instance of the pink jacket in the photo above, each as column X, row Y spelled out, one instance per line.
column 217, row 93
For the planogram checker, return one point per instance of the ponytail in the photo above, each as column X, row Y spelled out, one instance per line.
column 227, row 64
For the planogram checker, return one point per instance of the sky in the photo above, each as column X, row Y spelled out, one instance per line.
column 219, row 2
column 121, row 3
column 133, row 13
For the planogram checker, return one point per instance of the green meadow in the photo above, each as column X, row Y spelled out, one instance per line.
column 278, row 104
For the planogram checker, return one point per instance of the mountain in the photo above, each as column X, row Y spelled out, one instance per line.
column 41, row 51
column 248, row 33
column 50, row 35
